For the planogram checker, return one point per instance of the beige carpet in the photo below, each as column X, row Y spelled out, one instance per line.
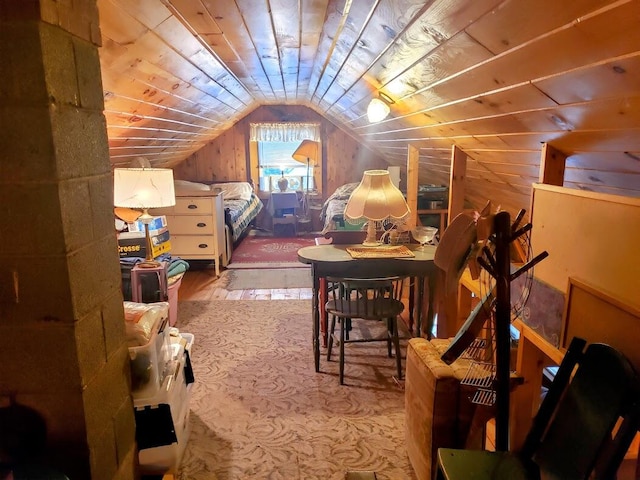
column 260, row 411
column 250, row 279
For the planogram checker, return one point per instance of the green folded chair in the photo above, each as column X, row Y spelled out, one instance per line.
column 582, row 430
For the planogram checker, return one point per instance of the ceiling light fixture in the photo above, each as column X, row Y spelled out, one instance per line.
column 378, row 108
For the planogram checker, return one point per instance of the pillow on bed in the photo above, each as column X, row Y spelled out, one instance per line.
column 186, row 185
column 344, row 191
column 235, row 190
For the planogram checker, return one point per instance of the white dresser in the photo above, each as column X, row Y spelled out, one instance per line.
column 196, row 228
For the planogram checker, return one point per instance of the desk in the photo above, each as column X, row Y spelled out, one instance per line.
column 334, row 260
column 283, row 207
column 283, row 202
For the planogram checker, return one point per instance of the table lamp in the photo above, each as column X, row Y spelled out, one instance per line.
column 283, row 183
column 142, row 189
column 376, row 199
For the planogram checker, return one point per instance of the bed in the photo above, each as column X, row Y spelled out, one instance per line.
column 239, row 215
column 241, row 204
column 332, row 211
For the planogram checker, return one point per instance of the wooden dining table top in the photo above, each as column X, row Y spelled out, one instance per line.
column 330, row 258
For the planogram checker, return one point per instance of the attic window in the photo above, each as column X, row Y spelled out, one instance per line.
column 284, row 132
column 275, row 144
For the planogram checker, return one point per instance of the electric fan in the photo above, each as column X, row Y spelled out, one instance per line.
column 501, row 258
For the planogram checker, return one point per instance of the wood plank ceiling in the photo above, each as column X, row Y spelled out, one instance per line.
column 496, row 78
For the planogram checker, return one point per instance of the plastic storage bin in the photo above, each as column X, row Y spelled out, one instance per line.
column 162, row 422
column 148, row 361
column 166, row 458
column 172, row 291
column 141, row 276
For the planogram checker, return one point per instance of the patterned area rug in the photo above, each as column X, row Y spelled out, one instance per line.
column 260, row 411
column 269, row 252
column 252, row 279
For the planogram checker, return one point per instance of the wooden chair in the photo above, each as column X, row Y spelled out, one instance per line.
column 338, row 237
column 351, row 237
column 346, row 237
column 584, row 425
column 376, row 299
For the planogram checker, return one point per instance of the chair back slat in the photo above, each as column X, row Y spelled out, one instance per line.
column 346, row 237
column 552, row 398
column 370, row 299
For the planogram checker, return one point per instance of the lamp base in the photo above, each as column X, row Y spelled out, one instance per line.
column 370, row 240
column 370, row 244
column 149, row 261
column 283, row 184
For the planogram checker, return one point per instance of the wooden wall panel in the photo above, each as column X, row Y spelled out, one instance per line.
column 226, row 157
column 590, row 236
column 495, row 78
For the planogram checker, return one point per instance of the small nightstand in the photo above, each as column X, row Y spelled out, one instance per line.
column 283, row 207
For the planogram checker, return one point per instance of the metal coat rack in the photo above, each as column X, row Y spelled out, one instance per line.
column 498, row 264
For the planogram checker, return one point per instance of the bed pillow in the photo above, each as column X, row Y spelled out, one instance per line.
column 235, row 190
column 344, row 191
column 187, row 186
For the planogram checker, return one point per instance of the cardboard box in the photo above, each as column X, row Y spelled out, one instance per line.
column 158, row 223
column 137, row 246
column 162, row 235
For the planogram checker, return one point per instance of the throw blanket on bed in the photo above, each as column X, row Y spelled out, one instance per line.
column 240, row 213
column 334, row 205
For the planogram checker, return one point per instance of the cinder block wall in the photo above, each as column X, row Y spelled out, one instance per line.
column 61, row 317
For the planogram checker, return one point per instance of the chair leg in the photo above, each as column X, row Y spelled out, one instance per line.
column 342, row 333
column 322, row 295
column 330, row 335
column 412, row 294
column 389, row 337
column 396, row 342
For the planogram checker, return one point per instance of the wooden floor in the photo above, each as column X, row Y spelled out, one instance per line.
column 201, row 285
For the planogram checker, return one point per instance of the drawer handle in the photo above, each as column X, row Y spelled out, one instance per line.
column 192, row 206
column 201, row 224
column 203, row 245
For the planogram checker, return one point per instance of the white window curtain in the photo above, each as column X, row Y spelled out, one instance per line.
column 284, row 132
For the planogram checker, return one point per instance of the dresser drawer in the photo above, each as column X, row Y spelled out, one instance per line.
column 188, row 206
column 196, row 226
column 193, row 245
column 193, row 205
column 190, row 224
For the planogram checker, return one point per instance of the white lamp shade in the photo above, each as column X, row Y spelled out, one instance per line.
column 377, row 110
column 143, row 188
column 376, row 198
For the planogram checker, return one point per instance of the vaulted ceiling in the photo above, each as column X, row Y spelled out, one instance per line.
column 497, row 78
